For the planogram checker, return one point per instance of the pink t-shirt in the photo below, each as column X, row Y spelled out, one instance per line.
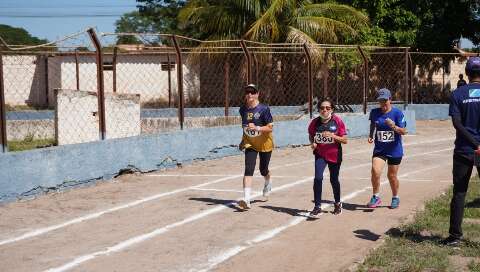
column 327, row 148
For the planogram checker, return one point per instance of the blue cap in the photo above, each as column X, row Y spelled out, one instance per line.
column 384, row 94
column 473, row 64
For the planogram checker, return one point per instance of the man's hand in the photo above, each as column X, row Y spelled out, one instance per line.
column 251, row 126
column 370, row 140
column 390, row 122
column 478, row 150
column 313, row 146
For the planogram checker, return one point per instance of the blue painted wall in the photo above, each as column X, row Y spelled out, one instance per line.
column 23, row 171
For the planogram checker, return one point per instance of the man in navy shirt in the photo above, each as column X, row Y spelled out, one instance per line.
column 465, row 112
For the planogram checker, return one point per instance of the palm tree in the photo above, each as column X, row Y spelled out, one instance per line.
column 273, row 21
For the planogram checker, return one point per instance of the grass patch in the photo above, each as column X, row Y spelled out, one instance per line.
column 416, row 246
column 28, row 144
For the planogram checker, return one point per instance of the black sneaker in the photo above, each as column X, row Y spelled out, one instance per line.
column 337, row 208
column 451, row 241
column 315, row 212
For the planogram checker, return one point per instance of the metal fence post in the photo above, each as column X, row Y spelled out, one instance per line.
column 77, row 70
column 181, row 98
column 114, row 69
column 309, row 76
column 249, row 61
column 406, row 77
column 411, row 77
column 226, row 79
column 3, row 121
column 336, row 77
column 325, row 73
column 47, row 86
column 365, row 80
column 169, row 72
column 100, row 83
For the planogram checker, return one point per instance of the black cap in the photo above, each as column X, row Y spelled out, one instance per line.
column 251, row 86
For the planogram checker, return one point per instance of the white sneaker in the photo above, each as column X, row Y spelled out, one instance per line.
column 244, row 204
column 267, row 189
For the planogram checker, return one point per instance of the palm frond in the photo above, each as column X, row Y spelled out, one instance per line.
column 267, row 28
column 343, row 13
column 324, row 30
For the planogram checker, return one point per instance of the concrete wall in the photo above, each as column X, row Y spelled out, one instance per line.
column 77, row 119
column 24, row 80
column 50, row 167
column 430, row 111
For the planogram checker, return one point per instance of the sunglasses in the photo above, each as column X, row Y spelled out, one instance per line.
column 325, row 108
column 251, row 92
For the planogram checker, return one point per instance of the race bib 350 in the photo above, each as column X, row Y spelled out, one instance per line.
column 319, row 139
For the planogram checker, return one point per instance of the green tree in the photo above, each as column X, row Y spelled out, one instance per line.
column 269, row 21
column 426, row 25
column 18, row 36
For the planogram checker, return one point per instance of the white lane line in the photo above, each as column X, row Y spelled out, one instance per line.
column 189, row 175
column 77, row 220
column 218, row 190
column 227, row 254
column 408, row 180
column 228, row 175
column 141, row 238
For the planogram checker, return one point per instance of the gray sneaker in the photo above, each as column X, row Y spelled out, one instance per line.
column 267, row 189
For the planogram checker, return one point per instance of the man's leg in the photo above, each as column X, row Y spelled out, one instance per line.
column 392, row 175
column 462, row 170
column 377, row 166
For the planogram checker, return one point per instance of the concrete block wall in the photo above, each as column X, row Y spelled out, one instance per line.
column 77, row 119
column 49, row 167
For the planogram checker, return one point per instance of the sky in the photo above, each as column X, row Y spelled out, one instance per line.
column 53, row 19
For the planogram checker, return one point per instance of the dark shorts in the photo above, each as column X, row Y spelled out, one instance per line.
column 389, row 160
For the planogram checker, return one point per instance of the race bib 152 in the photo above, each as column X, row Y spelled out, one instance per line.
column 319, row 139
column 385, row 136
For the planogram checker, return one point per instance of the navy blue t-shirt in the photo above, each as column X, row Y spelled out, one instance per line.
column 465, row 103
column 387, row 142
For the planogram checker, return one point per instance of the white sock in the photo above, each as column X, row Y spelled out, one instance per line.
column 395, row 196
column 246, row 193
column 377, row 195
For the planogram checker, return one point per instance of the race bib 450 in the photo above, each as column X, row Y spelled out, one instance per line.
column 319, row 139
column 385, row 136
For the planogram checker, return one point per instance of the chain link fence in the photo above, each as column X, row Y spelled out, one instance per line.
column 74, row 90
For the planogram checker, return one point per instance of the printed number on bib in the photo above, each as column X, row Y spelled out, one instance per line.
column 251, row 133
column 385, row 136
column 319, row 139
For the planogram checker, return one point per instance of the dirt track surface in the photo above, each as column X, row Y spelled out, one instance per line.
column 184, row 220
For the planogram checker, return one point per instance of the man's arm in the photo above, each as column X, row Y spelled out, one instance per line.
column 457, row 124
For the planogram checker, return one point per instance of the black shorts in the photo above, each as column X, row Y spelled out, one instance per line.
column 250, row 161
column 389, row 160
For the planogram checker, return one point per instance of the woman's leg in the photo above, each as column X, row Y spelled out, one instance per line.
column 320, row 165
column 264, row 162
column 334, row 169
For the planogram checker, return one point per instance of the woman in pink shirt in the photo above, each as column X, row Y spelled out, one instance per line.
column 327, row 133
